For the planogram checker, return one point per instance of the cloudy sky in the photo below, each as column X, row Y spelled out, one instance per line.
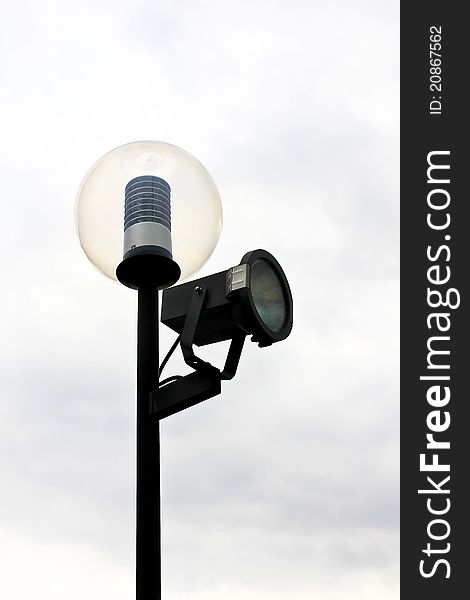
column 286, row 486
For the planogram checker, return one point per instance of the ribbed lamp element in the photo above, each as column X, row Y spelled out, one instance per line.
column 147, row 213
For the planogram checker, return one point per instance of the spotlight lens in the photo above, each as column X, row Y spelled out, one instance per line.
column 268, row 294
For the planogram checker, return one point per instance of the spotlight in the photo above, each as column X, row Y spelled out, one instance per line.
column 252, row 298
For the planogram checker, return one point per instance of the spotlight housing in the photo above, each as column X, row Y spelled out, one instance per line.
column 252, row 298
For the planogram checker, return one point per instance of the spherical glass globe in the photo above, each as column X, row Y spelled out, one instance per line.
column 196, row 210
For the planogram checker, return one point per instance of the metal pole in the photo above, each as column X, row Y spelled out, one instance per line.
column 148, row 539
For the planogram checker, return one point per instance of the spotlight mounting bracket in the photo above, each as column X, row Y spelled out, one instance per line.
column 206, row 380
column 190, row 325
column 185, row 392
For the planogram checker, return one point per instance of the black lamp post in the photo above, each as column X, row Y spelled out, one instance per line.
column 252, row 298
column 148, row 529
column 147, row 266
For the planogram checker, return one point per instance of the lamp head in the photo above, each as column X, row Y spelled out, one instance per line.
column 143, row 205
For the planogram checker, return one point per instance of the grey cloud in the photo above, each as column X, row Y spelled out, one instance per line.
column 287, row 484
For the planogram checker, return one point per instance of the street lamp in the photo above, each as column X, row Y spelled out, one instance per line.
column 149, row 215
